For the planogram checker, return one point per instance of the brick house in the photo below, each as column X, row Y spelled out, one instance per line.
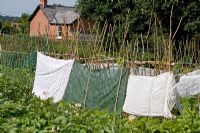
column 57, row 22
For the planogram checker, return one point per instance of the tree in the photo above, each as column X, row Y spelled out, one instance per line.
column 139, row 14
column 187, row 10
column 7, row 28
column 192, row 13
column 0, row 25
column 116, row 11
column 24, row 23
column 130, row 14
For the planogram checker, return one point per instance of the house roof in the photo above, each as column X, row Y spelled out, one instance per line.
column 57, row 14
column 65, row 17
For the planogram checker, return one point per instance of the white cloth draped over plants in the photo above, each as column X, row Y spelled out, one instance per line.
column 145, row 95
column 51, row 77
column 189, row 84
column 151, row 96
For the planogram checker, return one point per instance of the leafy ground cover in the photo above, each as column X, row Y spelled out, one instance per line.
column 22, row 112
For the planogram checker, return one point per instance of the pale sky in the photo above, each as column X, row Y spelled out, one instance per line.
column 17, row 7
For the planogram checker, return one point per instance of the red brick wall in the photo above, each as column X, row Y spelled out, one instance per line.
column 66, row 34
column 39, row 24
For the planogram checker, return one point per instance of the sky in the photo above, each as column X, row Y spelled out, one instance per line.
column 17, row 7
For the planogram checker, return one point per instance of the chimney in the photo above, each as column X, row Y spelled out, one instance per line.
column 43, row 3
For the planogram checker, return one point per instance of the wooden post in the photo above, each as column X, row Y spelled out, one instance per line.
column 170, row 40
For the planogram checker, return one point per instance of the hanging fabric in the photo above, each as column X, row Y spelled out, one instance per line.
column 150, row 96
column 51, row 77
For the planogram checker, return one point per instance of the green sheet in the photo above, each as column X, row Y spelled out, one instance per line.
column 97, row 89
column 18, row 60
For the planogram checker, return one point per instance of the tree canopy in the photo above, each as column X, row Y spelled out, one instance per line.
column 138, row 13
column 7, row 27
column 24, row 23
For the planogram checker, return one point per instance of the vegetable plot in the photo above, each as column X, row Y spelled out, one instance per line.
column 20, row 111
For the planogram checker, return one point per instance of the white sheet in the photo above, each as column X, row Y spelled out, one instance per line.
column 51, row 77
column 189, row 84
column 195, row 72
column 150, row 96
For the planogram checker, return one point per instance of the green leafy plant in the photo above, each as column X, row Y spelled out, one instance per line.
column 20, row 111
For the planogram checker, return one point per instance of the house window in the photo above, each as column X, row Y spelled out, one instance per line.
column 59, row 32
